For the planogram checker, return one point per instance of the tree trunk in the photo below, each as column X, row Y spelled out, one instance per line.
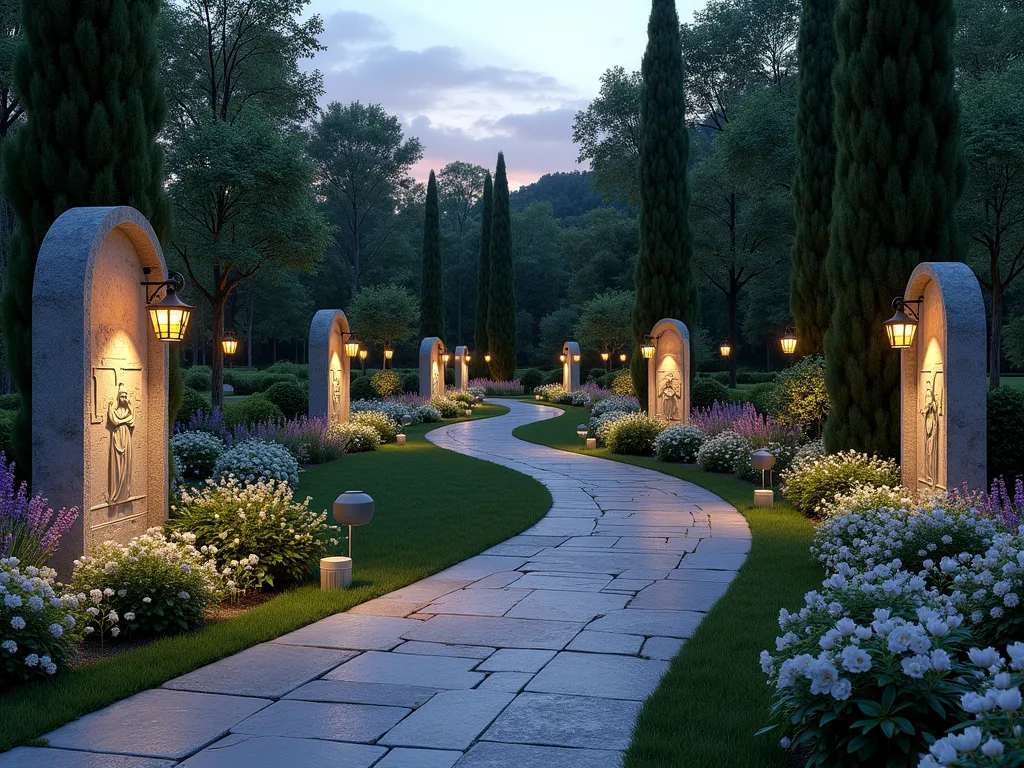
column 995, row 342
column 355, row 258
column 218, row 350
column 734, row 296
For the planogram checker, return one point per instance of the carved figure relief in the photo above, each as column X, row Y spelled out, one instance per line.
column 335, row 394
column 435, row 382
column 121, row 424
column 932, row 411
column 669, row 394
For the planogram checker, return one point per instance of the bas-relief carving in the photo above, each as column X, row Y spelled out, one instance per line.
column 670, row 392
column 117, row 396
column 932, row 431
column 121, row 423
column 435, row 384
column 335, row 415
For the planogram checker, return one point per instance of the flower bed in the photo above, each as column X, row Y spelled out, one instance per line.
column 498, row 388
column 813, row 480
column 30, row 530
column 356, row 438
column 256, row 460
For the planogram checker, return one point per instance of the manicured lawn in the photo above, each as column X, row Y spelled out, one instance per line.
column 1012, row 381
column 714, row 698
column 434, row 508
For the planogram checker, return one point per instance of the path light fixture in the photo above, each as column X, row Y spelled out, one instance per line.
column 901, row 328
column 350, row 509
column 788, row 341
column 725, row 349
column 764, row 461
column 405, row 421
column 170, row 315
column 229, row 343
column 648, row 347
column 582, row 430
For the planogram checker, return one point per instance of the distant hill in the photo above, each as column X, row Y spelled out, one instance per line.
column 570, row 194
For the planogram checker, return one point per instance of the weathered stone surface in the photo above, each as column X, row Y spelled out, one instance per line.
column 381, row 694
column 496, row 632
column 713, row 561
column 36, row 757
column 477, row 602
column 315, row 720
column 513, row 682
column 243, row 751
column 448, row 672
column 606, row 642
column 664, row 648
column 563, row 581
column 329, row 366
column 450, row 720
column 592, row 674
column 440, row 649
column 402, row 757
column 267, row 671
column 492, row 755
column 343, row 630
column 697, row 574
column 649, row 623
column 175, row 724
column 566, row 721
column 384, row 606
column 566, row 606
column 680, row 595
column 516, row 660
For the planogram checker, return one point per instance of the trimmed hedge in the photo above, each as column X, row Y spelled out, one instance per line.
column 706, row 391
column 191, row 402
column 254, row 409
column 362, row 389
column 198, row 377
column 1005, row 415
column 292, row 398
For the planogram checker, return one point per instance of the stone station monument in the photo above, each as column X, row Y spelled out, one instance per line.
column 570, row 359
column 668, row 373
column 431, row 367
column 462, row 359
column 329, row 366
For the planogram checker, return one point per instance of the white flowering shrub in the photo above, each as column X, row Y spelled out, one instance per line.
column 356, row 438
column 722, row 452
column 386, row 427
column 447, row 407
column 864, row 498
column 916, row 535
column 153, row 585
column 810, row 481
column 263, row 536
column 783, row 453
column 622, row 403
column 598, row 426
column 679, row 444
column 549, row 392
column 426, row 414
column 579, row 398
column 634, row 434
column 394, row 410
column 256, row 460
column 856, row 682
column 37, row 626
column 466, row 398
column 812, row 449
column 993, row 707
column 195, row 453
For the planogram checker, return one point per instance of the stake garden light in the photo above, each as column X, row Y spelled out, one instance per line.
column 351, row 508
column 902, row 327
column 581, row 430
column 169, row 316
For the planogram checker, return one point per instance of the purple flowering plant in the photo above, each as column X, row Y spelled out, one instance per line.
column 30, row 530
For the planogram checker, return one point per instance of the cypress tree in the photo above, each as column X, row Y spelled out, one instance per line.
column 89, row 78
column 815, row 174
column 501, row 304
column 432, row 276
column 483, row 281
column 899, row 174
column 665, row 285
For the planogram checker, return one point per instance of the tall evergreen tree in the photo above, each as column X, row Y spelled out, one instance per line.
column 501, row 304
column 899, row 174
column 432, row 275
column 483, row 280
column 815, row 174
column 90, row 82
column 665, row 285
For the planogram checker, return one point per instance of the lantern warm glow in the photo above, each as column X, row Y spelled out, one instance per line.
column 446, row 357
column 468, row 357
column 487, row 358
column 622, row 358
column 352, row 347
column 788, row 343
column 561, row 358
column 725, row 349
column 363, row 354
column 605, row 356
column 647, row 348
column 388, row 353
column 901, row 328
column 170, row 317
column 229, row 343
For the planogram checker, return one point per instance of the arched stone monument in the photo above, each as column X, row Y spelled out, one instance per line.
column 943, row 436
column 431, row 367
column 668, row 373
column 462, row 355
column 99, row 378
column 571, row 366
column 329, row 366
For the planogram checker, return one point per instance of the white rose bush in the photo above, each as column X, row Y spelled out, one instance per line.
column 38, row 626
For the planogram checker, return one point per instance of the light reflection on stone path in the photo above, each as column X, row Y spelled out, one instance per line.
column 538, row 653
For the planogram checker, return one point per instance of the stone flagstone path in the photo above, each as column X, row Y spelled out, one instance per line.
column 537, row 653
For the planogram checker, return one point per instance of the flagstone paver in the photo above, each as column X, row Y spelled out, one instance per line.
column 537, row 653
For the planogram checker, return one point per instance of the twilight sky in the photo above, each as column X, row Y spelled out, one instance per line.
column 472, row 77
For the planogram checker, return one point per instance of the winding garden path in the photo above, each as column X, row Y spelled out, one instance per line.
column 537, row 653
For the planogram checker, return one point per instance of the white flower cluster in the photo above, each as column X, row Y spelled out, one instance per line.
column 723, row 452
column 387, row 428
column 356, row 438
column 634, row 434
column 813, row 479
column 997, row 737
column 679, row 444
column 33, row 621
column 196, row 453
column 623, row 403
column 549, row 392
column 448, row 407
column 600, row 424
column 393, row 409
column 255, row 460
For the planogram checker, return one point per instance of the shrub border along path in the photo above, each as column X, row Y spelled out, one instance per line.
column 424, row 495
column 714, row 697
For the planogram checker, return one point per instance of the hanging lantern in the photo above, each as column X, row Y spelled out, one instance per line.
column 352, row 346
column 788, row 342
column 388, row 352
column 725, row 348
column 561, row 358
column 901, row 328
column 647, row 348
column 169, row 316
column 605, row 356
column 229, row 343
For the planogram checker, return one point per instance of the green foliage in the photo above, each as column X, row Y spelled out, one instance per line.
column 386, row 427
column 175, row 385
column 362, row 388
column 483, row 279
column 88, row 76
column 531, row 378
column 384, row 314
column 634, row 434
column 192, row 402
column 801, row 397
column 250, row 382
column 1013, row 342
column 10, row 402
column 604, row 321
column 286, row 367
column 501, row 303
column 665, row 285
column 432, row 265
column 198, row 377
column 1005, row 417
column 899, row 175
column 149, row 587
column 291, row 398
column 261, row 522
column 255, row 409
column 387, row 383
column 706, row 391
column 815, row 173
column 622, row 384
column 411, row 383
column 196, row 453
column 812, row 480
column 761, row 396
